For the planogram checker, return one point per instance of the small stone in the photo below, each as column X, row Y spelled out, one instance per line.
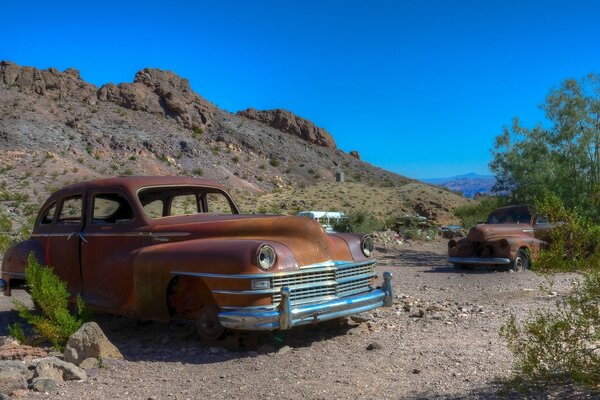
column 43, row 385
column 419, row 313
column 284, row 350
column 374, row 346
column 416, row 371
column 361, row 318
column 89, row 363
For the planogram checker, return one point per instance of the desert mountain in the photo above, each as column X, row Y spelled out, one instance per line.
column 56, row 129
column 469, row 185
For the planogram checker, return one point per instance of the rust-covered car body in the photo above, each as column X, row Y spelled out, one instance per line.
column 512, row 236
column 177, row 247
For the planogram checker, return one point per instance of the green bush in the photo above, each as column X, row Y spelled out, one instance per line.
column 471, row 214
column 51, row 320
column 274, row 162
column 359, row 222
column 561, row 345
column 575, row 239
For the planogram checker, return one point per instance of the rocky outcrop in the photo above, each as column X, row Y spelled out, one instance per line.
column 355, row 154
column 49, row 82
column 163, row 93
column 90, row 342
column 288, row 122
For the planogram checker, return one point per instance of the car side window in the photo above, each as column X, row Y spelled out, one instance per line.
column 71, row 211
column 154, row 209
column 542, row 219
column 48, row 215
column 184, row 205
column 111, row 208
column 217, row 203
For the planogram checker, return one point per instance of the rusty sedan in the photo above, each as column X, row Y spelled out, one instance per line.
column 178, row 248
column 511, row 237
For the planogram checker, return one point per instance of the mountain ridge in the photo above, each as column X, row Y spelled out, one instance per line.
column 56, row 129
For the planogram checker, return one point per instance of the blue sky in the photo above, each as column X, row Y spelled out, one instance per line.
column 418, row 87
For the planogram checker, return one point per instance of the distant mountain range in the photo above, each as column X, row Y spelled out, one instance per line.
column 468, row 184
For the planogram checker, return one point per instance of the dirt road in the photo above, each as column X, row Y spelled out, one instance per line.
column 439, row 340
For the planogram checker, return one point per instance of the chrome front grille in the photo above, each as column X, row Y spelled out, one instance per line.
column 339, row 280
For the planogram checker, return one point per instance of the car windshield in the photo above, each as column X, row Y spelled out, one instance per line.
column 159, row 202
column 510, row 217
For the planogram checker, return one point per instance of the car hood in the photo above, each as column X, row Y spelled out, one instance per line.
column 306, row 238
column 489, row 232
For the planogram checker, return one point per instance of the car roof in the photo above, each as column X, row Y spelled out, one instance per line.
column 519, row 207
column 133, row 183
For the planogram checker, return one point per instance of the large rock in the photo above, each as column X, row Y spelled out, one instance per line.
column 288, row 122
column 58, row 370
column 13, row 376
column 164, row 93
column 89, row 342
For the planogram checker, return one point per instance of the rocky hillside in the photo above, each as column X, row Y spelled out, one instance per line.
column 56, row 129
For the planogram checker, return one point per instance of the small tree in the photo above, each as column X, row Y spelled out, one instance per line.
column 563, row 157
column 52, row 319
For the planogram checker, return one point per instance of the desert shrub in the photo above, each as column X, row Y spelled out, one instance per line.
column 563, row 344
column 359, row 222
column 274, row 162
column 471, row 214
column 52, row 319
column 575, row 239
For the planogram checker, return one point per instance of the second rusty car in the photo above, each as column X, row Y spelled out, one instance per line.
column 511, row 237
column 177, row 248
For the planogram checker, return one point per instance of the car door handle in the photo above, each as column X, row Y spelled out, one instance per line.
column 81, row 236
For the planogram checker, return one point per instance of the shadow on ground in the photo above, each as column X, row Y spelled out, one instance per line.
column 178, row 342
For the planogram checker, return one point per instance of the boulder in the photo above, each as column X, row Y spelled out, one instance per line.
column 355, row 154
column 288, row 122
column 89, row 342
column 13, row 376
column 59, row 370
column 43, row 385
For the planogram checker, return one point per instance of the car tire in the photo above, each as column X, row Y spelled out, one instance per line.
column 521, row 261
column 208, row 326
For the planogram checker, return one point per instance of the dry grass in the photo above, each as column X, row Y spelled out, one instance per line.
column 381, row 202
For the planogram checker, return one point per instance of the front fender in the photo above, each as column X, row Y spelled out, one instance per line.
column 155, row 266
column 15, row 261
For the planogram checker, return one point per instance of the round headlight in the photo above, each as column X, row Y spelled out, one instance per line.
column 367, row 245
column 266, row 257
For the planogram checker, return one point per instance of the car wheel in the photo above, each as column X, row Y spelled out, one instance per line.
column 521, row 261
column 207, row 324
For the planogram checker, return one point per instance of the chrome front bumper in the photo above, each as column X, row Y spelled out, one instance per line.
column 479, row 261
column 286, row 316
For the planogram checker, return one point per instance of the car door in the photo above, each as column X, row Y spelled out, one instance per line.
column 111, row 239
column 63, row 241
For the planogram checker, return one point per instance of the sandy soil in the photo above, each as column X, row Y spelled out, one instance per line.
column 439, row 340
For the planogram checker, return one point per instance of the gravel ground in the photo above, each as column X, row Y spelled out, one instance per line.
column 439, row 340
